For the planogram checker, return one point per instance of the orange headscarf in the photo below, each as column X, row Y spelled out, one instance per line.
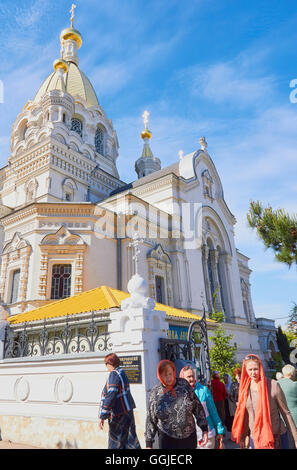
column 168, row 388
column 262, row 435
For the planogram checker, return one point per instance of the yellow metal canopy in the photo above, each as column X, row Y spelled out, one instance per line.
column 101, row 298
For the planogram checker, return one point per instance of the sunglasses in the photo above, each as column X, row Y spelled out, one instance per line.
column 250, row 356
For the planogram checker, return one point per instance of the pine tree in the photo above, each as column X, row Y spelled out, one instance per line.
column 277, row 229
column 283, row 345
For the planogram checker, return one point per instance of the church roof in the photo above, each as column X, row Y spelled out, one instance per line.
column 76, row 83
column 100, row 298
column 174, row 168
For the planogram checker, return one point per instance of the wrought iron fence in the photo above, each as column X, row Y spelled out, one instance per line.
column 174, row 349
column 68, row 337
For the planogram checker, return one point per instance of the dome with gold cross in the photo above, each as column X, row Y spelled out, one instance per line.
column 76, row 83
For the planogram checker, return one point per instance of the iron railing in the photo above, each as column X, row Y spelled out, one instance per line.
column 70, row 336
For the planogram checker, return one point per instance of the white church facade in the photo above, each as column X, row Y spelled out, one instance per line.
column 67, row 219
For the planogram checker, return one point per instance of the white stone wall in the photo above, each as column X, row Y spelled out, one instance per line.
column 47, row 403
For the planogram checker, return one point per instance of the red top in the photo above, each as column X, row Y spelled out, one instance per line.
column 219, row 392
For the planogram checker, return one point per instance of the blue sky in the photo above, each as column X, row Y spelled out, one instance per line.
column 219, row 68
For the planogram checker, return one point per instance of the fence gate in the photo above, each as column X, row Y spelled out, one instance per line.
column 194, row 349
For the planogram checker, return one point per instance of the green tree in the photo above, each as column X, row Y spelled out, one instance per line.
column 222, row 352
column 292, row 322
column 277, row 229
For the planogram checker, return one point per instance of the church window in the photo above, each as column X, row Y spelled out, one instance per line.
column 160, row 297
column 15, row 286
column 61, row 281
column 99, row 141
column 67, row 196
column 76, row 126
column 64, row 117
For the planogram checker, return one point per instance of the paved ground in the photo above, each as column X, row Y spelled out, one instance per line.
column 13, row 445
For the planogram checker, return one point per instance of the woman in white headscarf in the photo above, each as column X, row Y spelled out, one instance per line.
column 228, row 417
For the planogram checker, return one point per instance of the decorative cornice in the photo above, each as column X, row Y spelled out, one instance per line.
column 50, row 209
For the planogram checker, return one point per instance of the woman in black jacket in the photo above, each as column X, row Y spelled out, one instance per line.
column 171, row 410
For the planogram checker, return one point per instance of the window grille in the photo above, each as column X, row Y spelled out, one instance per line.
column 61, row 281
column 99, row 141
column 76, row 126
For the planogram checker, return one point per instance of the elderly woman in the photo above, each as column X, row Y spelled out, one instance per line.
column 261, row 401
column 288, row 385
column 117, row 406
column 171, row 411
column 216, row 430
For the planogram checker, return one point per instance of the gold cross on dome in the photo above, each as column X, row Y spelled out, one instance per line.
column 145, row 118
column 72, row 14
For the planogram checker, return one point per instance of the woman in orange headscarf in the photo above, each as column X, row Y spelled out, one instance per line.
column 260, row 403
column 171, row 411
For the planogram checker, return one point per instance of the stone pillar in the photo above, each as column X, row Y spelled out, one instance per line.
column 25, row 256
column 138, row 327
column 3, row 277
column 205, row 254
column 214, row 258
column 135, row 331
column 227, row 262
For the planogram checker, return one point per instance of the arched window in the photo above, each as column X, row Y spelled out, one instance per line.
column 99, row 141
column 61, row 281
column 160, row 297
column 15, row 286
column 76, row 126
column 31, row 189
column 68, row 189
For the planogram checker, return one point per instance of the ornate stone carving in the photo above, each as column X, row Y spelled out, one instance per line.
column 21, row 389
column 63, row 390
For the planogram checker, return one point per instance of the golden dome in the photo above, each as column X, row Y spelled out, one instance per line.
column 146, row 134
column 71, row 33
column 76, row 83
column 60, row 64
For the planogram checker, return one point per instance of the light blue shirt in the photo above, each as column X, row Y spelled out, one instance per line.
column 215, row 425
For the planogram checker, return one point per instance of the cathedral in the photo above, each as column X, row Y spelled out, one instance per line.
column 68, row 221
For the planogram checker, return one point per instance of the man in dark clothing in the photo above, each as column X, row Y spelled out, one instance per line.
column 219, row 394
column 117, row 406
